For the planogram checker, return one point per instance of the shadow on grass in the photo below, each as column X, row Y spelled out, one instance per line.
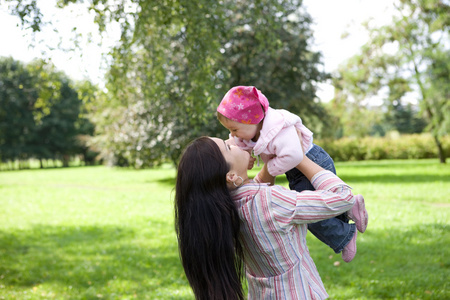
column 382, row 178
column 117, row 262
column 412, row 263
column 89, row 261
column 169, row 181
column 414, row 173
column 50, row 168
column 387, row 164
column 385, row 179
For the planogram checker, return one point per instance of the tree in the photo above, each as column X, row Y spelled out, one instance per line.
column 39, row 113
column 176, row 59
column 438, row 94
column 403, row 118
column 286, row 73
column 417, row 40
column 165, row 72
column 17, row 104
column 177, row 74
column 56, row 132
column 90, row 96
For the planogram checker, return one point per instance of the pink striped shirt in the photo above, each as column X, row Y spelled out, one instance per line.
column 273, row 233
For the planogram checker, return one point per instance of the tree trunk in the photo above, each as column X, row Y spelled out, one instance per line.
column 65, row 161
column 441, row 152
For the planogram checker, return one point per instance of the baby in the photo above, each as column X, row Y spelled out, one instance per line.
column 272, row 134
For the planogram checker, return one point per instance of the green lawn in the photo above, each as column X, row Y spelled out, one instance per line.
column 102, row 233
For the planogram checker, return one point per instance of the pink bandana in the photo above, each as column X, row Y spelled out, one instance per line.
column 244, row 104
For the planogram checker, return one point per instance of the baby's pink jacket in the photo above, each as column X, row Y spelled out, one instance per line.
column 278, row 142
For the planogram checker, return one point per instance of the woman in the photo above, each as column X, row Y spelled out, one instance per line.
column 223, row 219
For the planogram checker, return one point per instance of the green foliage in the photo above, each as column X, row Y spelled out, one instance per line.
column 439, row 93
column 183, row 57
column 418, row 37
column 28, row 12
column 107, row 233
column 16, row 109
column 277, row 60
column 176, row 59
column 39, row 113
column 403, row 118
column 393, row 146
column 356, row 120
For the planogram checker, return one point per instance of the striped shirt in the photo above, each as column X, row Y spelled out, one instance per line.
column 273, row 234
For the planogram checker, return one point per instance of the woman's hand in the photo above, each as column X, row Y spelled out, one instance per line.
column 264, row 176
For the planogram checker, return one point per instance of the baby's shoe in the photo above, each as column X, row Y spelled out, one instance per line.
column 358, row 214
column 349, row 251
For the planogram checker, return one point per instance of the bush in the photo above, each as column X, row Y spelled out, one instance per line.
column 393, row 146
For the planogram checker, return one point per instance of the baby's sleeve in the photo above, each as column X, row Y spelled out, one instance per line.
column 287, row 149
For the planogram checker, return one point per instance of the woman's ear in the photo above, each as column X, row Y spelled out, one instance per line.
column 231, row 177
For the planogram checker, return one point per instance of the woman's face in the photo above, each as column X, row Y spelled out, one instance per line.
column 235, row 156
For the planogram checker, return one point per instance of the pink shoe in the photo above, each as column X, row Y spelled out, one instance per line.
column 349, row 251
column 358, row 214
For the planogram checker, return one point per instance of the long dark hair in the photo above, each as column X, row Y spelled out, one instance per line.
column 207, row 223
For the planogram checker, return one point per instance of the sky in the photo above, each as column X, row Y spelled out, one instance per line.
column 331, row 19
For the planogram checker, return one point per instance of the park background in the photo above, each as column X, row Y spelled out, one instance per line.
column 88, row 165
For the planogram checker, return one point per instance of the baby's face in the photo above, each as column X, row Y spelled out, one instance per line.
column 240, row 130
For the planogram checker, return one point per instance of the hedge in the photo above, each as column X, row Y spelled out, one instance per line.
column 394, row 146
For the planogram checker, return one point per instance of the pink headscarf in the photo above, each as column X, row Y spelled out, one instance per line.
column 244, row 104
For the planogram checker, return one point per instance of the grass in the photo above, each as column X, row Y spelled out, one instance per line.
column 102, row 233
